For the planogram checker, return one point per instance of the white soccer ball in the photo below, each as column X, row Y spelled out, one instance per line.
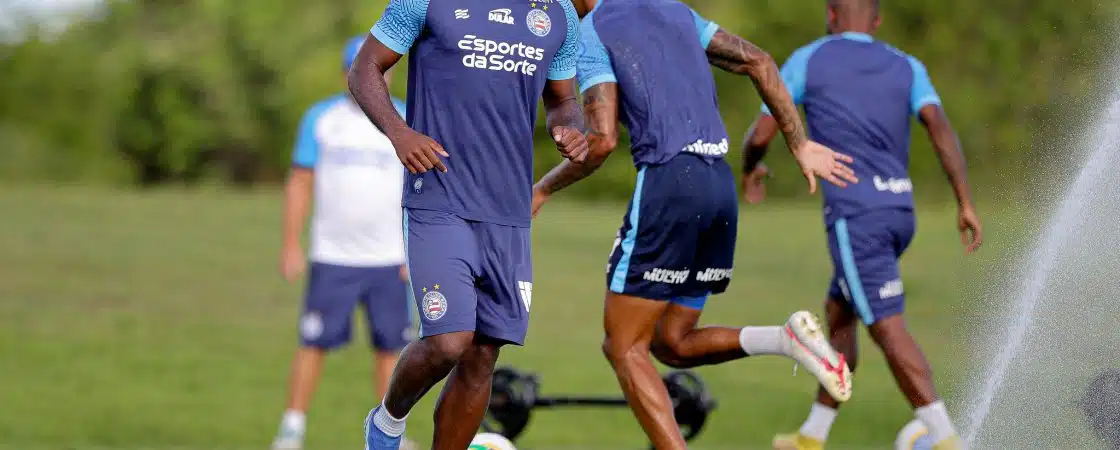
column 490, row 441
column 914, row 436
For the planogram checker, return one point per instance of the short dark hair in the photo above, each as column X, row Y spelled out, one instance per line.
column 855, row 6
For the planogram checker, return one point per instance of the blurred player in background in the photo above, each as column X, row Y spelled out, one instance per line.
column 351, row 171
column 475, row 78
column 646, row 61
column 859, row 96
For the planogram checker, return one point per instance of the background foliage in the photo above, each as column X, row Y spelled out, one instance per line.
column 156, row 91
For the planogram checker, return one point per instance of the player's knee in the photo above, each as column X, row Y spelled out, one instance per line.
column 449, row 347
column 618, row 351
column 669, row 356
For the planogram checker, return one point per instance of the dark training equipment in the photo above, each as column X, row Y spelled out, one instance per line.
column 1101, row 404
column 515, row 394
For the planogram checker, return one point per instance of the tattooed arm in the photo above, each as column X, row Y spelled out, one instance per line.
column 737, row 55
column 600, row 110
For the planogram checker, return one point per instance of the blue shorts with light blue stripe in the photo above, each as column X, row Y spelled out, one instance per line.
column 865, row 253
column 677, row 240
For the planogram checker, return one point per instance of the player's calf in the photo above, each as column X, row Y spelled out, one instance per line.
column 422, row 364
column 465, row 397
column 912, row 372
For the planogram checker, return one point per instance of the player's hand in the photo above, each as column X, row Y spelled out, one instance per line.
column 292, row 263
column 571, row 143
column 404, row 272
column 419, row 153
column 539, row 198
column 754, row 184
column 817, row 160
column 972, row 236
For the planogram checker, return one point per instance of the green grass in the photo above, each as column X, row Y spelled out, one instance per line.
column 157, row 321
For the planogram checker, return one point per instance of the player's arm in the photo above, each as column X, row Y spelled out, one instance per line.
column 389, row 39
column 563, row 117
column 297, row 195
column 599, row 116
column 926, row 105
column 600, row 110
column 737, row 55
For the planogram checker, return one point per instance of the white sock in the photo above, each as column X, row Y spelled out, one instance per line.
column 762, row 341
column 388, row 424
column 819, row 422
column 936, row 419
column 293, row 421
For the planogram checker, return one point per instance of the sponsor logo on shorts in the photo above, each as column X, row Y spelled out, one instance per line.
column 311, row 326
column 667, row 276
column 701, row 147
column 539, row 22
column 501, row 16
column 434, row 303
column 712, row 275
column 462, row 14
column 500, row 56
column 893, row 185
column 890, row 289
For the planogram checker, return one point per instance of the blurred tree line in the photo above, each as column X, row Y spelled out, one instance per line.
column 160, row 91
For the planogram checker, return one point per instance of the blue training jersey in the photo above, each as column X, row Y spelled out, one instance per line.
column 476, row 72
column 655, row 51
column 859, row 95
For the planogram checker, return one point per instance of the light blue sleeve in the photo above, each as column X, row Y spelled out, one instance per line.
column 306, row 152
column 705, row 27
column 400, row 106
column 594, row 61
column 794, row 72
column 563, row 66
column 401, row 24
column 922, row 92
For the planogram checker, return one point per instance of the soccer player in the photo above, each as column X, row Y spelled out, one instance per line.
column 476, row 74
column 351, row 171
column 859, row 95
column 646, row 62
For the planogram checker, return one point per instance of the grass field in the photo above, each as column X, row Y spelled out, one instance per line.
column 158, row 321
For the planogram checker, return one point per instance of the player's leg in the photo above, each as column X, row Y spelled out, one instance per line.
column 871, row 246
column 629, row 323
column 680, row 343
column 441, row 249
column 388, row 312
column 504, row 290
column 649, row 265
column 332, row 293
column 843, row 332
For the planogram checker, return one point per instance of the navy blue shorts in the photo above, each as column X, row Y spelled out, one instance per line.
column 865, row 253
column 677, row 240
column 469, row 276
column 333, row 292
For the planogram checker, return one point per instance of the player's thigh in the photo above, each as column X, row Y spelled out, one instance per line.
column 656, row 246
column 332, row 294
column 867, row 271
column 441, row 253
column 505, row 288
column 388, row 309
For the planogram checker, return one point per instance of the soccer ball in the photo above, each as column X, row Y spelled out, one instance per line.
column 914, row 436
column 490, row 441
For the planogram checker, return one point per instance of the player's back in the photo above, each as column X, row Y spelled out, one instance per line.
column 666, row 90
column 859, row 95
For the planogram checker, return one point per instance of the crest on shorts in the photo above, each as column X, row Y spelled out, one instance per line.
column 417, row 185
column 434, row 303
column 311, row 326
column 538, row 22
